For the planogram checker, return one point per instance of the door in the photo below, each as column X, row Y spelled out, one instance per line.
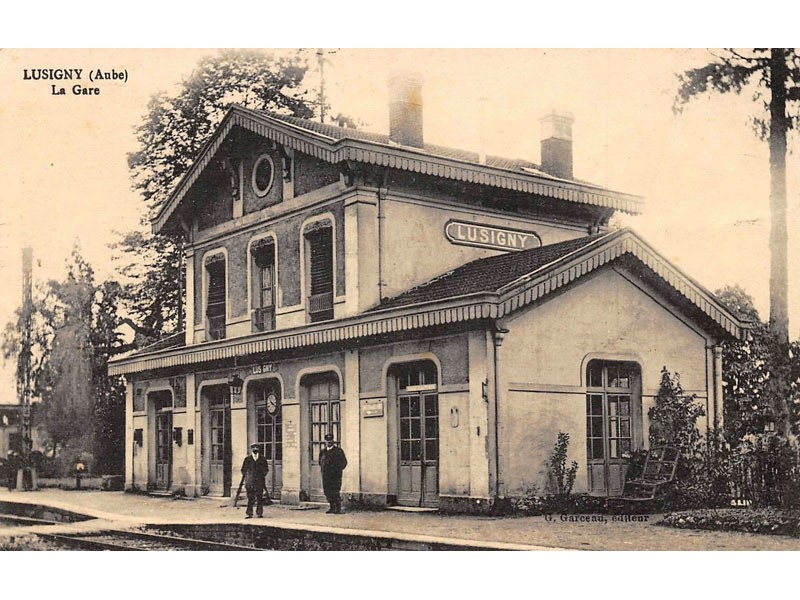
column 325, row 412
column 220, row 447
column 269, row 434
column 163, row 450
column 612, row 416
column 418, row 482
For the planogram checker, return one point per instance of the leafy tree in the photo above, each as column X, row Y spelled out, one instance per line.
column 773, row 77
column 169, row 138
column 75, row 330
column 761, row 375
column 673, row 417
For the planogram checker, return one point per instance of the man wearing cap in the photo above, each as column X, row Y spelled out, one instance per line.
column 332, row 462
column 254, row 472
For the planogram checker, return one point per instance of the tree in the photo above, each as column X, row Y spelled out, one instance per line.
column 673, row 417
column 75, row 330
column 173, row 131
column 776, row 70
column 761, row 375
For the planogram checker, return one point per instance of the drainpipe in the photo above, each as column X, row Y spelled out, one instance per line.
column 499, row 336
column 717, row 350
column 383, row 191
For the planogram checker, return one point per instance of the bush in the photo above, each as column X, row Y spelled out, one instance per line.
column 532, row 504
column 770, row 520
column 767, row 470
column 561, row 477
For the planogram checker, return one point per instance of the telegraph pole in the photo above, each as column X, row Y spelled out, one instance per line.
column 26, row 476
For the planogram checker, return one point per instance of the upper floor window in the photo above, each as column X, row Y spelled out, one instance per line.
column 319, row 270
column 263, row 175
column 215, row 297
column 264, row 283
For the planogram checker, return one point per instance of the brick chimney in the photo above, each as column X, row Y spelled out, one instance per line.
column 405, row 109
column 557, row 143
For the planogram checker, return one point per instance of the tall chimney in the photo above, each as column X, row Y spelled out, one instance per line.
column 483, row 101
column 405, row 109
column 557, row 143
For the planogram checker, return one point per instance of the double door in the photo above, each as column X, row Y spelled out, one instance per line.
column 418, row 477
column 613, row 420
column 219, row 464
column 269, row 435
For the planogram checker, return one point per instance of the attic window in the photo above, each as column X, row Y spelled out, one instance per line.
column 263, row 175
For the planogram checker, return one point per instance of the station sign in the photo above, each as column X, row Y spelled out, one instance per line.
column 489, row 236
column 265, row 368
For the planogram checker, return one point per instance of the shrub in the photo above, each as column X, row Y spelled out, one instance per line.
column 561, row 477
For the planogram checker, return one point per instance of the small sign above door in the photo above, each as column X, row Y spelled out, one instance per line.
column 372, row 408
column 486, row 236
column 265, row 368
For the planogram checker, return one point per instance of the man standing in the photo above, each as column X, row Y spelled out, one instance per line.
column 332, row 461
column 254, row 472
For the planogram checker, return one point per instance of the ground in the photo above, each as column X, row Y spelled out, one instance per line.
column 598, row 533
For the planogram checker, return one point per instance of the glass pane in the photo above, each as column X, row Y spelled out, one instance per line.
column 612, row 406
column 597, row 426
column 335, row 406
column 416, row 450
column 613, row 428
column 415, row 429
column 597, row 404
column 589, row 448
column 431, row 450
column 414, row 406
column 405, row 451
column 404, row 409
column 595, row 375
column 624, row 406
column 613, row 449
column 405, row 428
column 625, row 428
column 625, row 447
column 597, row 448
column 431, row 428
column 431, row 405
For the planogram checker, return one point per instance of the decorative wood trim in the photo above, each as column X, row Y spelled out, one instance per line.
column 334, row 151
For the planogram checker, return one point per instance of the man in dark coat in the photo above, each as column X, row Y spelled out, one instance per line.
column 254, row 471
column 332, row 462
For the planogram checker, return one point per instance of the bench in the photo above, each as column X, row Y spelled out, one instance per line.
column 658, row 472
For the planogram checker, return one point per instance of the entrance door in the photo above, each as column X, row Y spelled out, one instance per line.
column 163, row 450
column 269, row 433
column 612, row 416
column 418, row 435
column 220, row 446
column 324, row 408
column 419, row 449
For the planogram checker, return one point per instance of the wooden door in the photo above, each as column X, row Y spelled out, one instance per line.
column 609, row 425
column 325, row 413
column 163, row 450
column 418, row 481
column 220, row 449
column 269, row 435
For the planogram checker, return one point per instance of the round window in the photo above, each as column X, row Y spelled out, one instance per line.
column 263, row 173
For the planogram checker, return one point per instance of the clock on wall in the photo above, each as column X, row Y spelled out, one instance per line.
column 272, row 403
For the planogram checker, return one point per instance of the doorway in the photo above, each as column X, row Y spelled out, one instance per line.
column 264, row 396
column 321, row 391
column 218, row 439
column 163, row 450
column 418, row 434
column 613, row 423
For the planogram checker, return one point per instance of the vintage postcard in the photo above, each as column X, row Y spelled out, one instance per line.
column 408, row 299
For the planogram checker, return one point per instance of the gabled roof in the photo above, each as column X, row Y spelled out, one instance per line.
column 488, row 274
column 336, row 144
column 488, row 288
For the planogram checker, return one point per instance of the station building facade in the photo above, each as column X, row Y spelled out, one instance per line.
column 443, row 314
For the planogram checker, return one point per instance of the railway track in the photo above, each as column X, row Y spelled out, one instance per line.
column 118, row 540
column 115, row 540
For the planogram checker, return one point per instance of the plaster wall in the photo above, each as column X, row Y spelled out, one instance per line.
column 415, row 249
column 544, row 356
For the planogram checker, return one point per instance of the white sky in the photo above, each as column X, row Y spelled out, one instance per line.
column 703, row 174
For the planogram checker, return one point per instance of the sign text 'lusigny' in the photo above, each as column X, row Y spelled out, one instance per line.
column 486, row 236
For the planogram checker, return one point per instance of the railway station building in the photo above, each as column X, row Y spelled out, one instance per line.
column 444, row 314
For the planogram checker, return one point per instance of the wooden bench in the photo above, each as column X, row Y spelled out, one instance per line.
column 658, row 472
